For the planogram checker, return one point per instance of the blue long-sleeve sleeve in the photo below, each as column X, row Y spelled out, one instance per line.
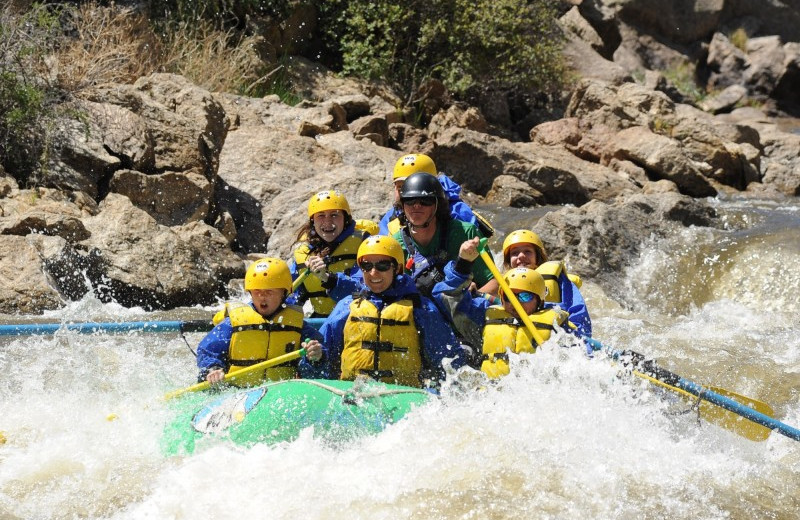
column 313, row 369
column 346, row 284
column 332, row 332
column 572, row 301
column 438, row 340
column 383, row 225
column 212, row 352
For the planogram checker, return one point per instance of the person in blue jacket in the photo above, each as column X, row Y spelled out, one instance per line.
column 459, row 210
column 264, row 329
column 328, row 242
column 524, row 248
column 388, row 331
column 495, row 328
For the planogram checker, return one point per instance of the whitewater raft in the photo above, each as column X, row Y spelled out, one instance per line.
column 274, row 412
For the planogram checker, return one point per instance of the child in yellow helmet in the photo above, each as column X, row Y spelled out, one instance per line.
column 266, row 328
column 327, row 248
column 524, row 248
column 497, row 328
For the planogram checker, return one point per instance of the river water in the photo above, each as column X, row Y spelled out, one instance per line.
column 566, row 437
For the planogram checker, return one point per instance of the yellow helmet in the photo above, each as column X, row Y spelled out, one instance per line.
column 413, row 163
column 382, row 245
column 523, row 236
column 326, row 201
column 268, row 273
column 524, row 279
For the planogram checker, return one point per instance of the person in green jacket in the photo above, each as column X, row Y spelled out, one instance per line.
column 430, row 237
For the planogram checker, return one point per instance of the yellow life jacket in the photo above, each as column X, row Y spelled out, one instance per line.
column 385, row 345
column 503, row 332
column 551, row 271
column 393, row 226
column 341, row 259
column 225, row 311
column 256, row 339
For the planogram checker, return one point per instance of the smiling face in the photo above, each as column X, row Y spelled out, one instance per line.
column 267, row 301
column 378, row 281
column 417, row 213
column 522, row 255
column 329, row 224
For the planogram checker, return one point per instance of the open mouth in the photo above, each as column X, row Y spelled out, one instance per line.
column 328, row 230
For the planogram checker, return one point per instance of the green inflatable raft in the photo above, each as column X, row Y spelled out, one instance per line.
column 279, row 411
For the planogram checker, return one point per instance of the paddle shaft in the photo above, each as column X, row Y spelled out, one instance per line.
column 300, row 279
column 291, row 356
column 523, row 316
column 32, row 329
column 649, row 368
column 38, row 329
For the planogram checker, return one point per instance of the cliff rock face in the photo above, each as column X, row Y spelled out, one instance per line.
column 163, row 189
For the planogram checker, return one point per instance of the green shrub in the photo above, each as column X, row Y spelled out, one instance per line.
column 494, row 44
column 739, row 39
column 682, row 75
column 27, row 95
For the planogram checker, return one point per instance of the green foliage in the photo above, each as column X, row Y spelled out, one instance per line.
column 224, row 13
column 682, row 75
column 492, row 44
column 739, row 39
column 26, row 96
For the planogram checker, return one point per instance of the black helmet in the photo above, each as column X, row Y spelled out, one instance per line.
column 421, row 185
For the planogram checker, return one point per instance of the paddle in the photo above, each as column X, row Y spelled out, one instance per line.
column 33, row 329
column 111, row 327
column 752, row 420
column 523, row 316
column 300, row 278
column 244, row 371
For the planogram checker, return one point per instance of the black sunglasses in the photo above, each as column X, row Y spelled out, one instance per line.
column 382, row 265
column 427, row 202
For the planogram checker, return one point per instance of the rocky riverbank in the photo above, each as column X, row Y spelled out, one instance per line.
column 161, row 190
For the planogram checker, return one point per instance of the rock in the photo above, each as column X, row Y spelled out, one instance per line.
column 170, row 198
column 663, row 158
column 374, row 128
column 24, row 287
column 46, row 211
column 598, row 239
column 512, row 192
column 144, row 264
column 724, row 101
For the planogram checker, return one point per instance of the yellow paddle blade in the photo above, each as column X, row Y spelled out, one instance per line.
column 243, row 371
column 720, row 416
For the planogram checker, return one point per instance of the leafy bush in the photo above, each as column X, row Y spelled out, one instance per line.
column 739, row 39
column 494, row 44
column 27, row 97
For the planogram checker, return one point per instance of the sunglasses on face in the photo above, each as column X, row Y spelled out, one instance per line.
column 382, row 266
column 525, row 296
column 422, row 202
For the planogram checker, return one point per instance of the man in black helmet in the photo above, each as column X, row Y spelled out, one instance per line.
column 430, row 237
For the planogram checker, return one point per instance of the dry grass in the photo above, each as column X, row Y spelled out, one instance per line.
column 110, row 45
column 213, row 59
column 118, row 45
